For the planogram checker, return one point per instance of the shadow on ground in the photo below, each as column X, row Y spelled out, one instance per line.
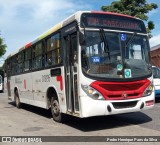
column 94, row 123
column 108, row 122
column 33, row 109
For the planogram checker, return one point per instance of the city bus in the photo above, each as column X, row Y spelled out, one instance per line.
column 91, row 64
column 156, row 80
column 1, row 83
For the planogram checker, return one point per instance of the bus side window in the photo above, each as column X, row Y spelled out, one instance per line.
column 37, row 55
column 15, row 64
column 27, row 59
column 20, row 63
column 53, row 54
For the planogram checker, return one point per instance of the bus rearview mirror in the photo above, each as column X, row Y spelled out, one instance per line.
column 82, row 39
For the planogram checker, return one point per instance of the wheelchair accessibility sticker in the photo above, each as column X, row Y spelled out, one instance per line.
column 123, row 37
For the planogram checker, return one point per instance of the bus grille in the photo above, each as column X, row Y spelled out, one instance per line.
column 120, row 95
column 121, row 105
column 121, row 90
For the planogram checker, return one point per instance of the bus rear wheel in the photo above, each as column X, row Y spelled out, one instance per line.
column 17, row 100
column 55, row 109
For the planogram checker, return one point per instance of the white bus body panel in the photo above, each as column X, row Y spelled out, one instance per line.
column 32, row 88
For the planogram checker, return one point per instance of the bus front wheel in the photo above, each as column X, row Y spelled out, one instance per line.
column 55, row 109
column 17, row 100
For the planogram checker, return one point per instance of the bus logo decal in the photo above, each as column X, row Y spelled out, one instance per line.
column 124, row 95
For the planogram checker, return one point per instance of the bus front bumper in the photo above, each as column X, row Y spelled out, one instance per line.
column 92, row 107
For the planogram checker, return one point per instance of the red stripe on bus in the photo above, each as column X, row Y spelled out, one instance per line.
column 28, row 45
column 60, row 79
column 112, row 13
column 24, row 84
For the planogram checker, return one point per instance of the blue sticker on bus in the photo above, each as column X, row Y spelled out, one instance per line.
column 123, row 37
column 96, row 59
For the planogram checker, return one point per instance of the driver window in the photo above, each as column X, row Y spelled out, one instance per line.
column 135, row 51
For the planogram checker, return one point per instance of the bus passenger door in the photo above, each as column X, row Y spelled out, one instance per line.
column 8, row 79
column 8, row 87
column 71, row 81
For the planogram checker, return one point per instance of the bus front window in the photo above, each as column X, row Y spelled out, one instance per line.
column 104, row 56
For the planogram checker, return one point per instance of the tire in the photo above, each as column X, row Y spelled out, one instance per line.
column 17, row 100
column 55, row 110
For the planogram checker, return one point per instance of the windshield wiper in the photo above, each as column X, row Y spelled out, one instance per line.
column 106, row 46
column 131, row 39
column 129, row 42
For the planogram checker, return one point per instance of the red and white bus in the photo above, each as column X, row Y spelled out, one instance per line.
column 90, row 64
column 1, row 83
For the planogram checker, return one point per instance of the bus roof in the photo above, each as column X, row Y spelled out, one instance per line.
column 71, row 18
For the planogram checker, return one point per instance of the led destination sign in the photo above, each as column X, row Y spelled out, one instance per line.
column 109, row 21
column 113, row 23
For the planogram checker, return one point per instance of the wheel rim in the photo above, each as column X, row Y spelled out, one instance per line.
column 55, row 108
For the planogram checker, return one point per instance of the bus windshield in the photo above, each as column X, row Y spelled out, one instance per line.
column 104, row 56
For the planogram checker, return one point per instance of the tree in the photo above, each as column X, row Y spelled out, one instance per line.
column 137, row 8
column 2, row 47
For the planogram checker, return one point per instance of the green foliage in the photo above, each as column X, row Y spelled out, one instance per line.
column 2, row 47
column 137, row 8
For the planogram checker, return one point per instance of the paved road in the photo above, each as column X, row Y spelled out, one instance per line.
column 30, row 121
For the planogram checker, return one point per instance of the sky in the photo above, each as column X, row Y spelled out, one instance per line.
column 21, row 21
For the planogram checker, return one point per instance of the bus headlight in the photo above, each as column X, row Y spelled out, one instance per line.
column 91, row 92
column 148, row 90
